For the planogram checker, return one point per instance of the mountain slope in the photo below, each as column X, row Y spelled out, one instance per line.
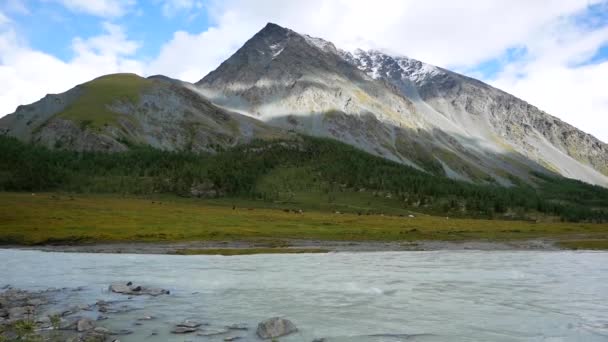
column 306, row 173
column 282, row 82
column 113, row 112
column 401, row 109
column 478, row 110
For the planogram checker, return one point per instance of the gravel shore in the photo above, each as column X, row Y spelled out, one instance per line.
column 330, row 246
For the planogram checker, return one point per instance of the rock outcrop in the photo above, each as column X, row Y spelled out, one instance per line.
column 275, row 327
column 128, row 288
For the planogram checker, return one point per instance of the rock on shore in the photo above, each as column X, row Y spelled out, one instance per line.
column 275, row 327
column 129, row 288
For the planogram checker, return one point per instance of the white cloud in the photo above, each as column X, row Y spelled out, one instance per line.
column 16, row 6
column 172, row 7
column 100, row 8
column 3, row 19
column 439, row 32
column 189, row 57
column 452, row 34
column 26, row 75
column 553, row 78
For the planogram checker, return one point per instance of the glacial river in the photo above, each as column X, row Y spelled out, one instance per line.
column 396, row 296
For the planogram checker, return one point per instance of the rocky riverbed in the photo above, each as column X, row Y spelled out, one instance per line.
column 462, row 295
column 47, row 316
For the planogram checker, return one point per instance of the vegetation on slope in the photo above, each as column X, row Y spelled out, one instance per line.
column 92, row 110
column 310, row 173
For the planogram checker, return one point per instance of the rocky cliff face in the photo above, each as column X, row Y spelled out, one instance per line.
column 500, row 120
column 281, row 81
column 400, row 108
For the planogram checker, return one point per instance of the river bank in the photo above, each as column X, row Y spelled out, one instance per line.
column 50, row 315
column 291, row 247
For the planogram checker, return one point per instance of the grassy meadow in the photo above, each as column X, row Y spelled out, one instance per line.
column 46, row 218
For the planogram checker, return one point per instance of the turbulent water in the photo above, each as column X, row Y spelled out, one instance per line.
column 397, row 296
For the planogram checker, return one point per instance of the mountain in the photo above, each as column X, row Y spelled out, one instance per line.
column 112, row 112
column 281, row 82
column 401, row 109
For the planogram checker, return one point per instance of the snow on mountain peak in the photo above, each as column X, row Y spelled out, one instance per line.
column 378, row 65
column 322, row 44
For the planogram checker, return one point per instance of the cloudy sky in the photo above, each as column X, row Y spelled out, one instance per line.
column 553, row 54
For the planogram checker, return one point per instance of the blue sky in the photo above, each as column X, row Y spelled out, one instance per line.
column 552, row 54
column 50, row 26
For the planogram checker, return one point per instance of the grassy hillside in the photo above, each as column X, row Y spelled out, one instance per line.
column 91, row 108
column 308, row 173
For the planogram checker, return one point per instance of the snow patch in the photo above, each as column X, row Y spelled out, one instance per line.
column 378, row 64
column 320, row 43
column 276, row 49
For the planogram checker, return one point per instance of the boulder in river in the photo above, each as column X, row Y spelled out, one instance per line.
column 129, row 288
column 275, row 327
column 85, row 324
column 189, row 323
column 183, row 330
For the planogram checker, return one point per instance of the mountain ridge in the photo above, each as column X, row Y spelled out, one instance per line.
column 415, row 96
column 281, row 82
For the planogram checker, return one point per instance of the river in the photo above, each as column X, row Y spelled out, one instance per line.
column 398, row 296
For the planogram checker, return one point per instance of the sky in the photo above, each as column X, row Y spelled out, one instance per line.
column 553, row 54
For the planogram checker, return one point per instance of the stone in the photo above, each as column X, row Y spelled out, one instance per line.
column 189, row 323
column 183, row 330
column 275, row 327
column 130, row 289
column 155, row 291
column 36, row 301
column 232, row 338
column 72, row 310
column 69, row 324
column 20, row 312
column 120, row 288
column 101, row 330
column 85, row 324
column 43, row 322
column 93, row 337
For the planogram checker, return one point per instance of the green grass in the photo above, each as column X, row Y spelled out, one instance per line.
column 58, row 218
column 585, row 244
column 91, row 109
column 248, row 251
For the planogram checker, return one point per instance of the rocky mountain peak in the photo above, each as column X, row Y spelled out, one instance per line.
column 381, row 65
column 392, row 106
